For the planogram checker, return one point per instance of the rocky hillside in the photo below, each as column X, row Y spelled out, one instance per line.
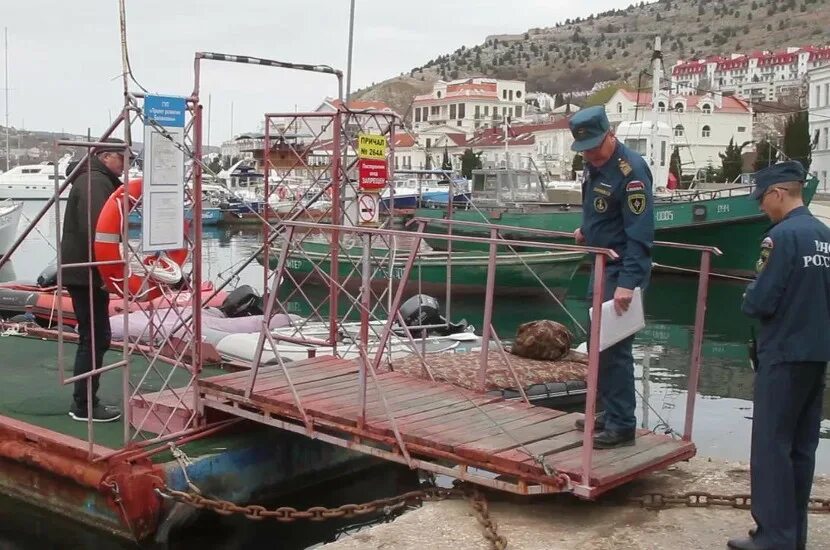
column 575, row 54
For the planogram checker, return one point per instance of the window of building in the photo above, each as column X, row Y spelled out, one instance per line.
column 707, row 131
column 638, row 145
column 679, row 131
column 661, row 106
column 826, row 139
column 741, row 129
column 452, row 111
column 435, row 111
column 495, row 111
column 504, row 94
column 429, row 142
column 678, row 107
column 459, row 122
column 462, row 110
column 518, row 94
column 707, row 109
column 438, row 95
column 518, row 111
column 477, row 112
column 619, row 107
column 662, row 153
column 417, row 114
column 510, row 95
column 826, row 95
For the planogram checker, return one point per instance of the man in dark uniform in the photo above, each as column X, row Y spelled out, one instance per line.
column 617, row 213
column 90, row 300
column 791, row 298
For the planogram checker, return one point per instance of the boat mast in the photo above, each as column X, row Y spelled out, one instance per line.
column 6, row 41
column 656, row 75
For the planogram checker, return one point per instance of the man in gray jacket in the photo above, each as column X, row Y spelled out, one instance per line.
column 91, row 188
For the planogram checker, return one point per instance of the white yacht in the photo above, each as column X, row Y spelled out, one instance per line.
column 33, row 181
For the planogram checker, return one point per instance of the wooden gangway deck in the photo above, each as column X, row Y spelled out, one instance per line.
column 444, row 429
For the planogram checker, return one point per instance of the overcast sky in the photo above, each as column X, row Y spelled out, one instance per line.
column 64, row 57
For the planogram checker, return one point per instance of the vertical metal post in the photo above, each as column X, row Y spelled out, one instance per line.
column 196, row 277
column 349, row 60
column 6, row 39
column 488, row 311
column 266, row 207
column 365, row 294
column 697, row 342
column 337, row 169
column 593, row 368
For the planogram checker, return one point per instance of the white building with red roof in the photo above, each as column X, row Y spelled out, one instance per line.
column 759, row 75
column 702, row 125
column 818, row 81
column 468, row 104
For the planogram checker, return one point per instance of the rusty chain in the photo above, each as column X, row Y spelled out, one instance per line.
column 386, row 506
column 703, row 499
column 320, row 513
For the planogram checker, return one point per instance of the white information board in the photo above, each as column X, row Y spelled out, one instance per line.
column 162, row 216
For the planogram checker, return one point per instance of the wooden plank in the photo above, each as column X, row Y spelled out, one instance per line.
column 222, row 378
column 607, row 473
column 439, row 410
column 522, row 458
column 489, row 426
column 376, row 412
column 482, row 449
column 572, row 461
column 348, row 395
column 501, row 411
column 281, row 381
column 241, row 382
column 399, row 398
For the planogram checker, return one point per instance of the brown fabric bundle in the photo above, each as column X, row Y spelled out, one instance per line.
column 545, row 340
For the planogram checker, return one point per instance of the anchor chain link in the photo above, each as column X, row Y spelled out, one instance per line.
column 703, row 499
column 385, row 506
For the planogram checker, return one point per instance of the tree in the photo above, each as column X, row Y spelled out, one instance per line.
column 445, row 162
column 797, row 144
column 470, row 161
column 731, row 162
column 764, row 155
column 558, row 100
column 675, row 166
column 577, row 165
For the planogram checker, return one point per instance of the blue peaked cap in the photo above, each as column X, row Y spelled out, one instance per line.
column 783, row 172
column 589, row 127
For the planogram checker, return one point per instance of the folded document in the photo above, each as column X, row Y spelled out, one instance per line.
column 613, row 327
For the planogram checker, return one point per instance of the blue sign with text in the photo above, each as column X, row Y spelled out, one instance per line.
column 165, row 111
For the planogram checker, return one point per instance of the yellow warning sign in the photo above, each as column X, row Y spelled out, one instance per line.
column 371, row 146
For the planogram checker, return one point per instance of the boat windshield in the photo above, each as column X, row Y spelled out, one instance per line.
column 507, row 185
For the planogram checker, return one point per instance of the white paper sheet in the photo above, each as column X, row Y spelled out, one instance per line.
column 617, row 327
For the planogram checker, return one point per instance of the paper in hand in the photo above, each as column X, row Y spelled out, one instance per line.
column 613, row 327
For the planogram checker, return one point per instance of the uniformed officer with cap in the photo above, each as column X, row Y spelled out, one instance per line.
column 791, row 298
column 617, row 213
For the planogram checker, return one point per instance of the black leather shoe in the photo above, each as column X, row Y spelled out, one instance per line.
column 611, row 439
column 802, row 546
column 746, row 543
column 599, row 423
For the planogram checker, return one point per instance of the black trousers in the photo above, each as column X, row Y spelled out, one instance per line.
column 785, row 433
column 91, row 307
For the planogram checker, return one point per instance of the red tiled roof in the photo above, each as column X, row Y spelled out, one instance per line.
column 404, row 140
column 730, row 104
column 458, row 139
column 764, row 59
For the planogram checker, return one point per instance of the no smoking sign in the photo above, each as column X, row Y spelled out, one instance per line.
column 367, row 208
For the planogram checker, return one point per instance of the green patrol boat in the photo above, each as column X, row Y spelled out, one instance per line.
column 516, row 273
column 725, row 217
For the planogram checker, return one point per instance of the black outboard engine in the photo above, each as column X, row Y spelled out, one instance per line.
column 421, row 309
column 48, row 277
column 242, row 302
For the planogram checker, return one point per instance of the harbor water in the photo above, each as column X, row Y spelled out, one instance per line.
column 723, row 413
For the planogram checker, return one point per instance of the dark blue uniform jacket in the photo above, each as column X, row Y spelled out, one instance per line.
column 791, row 294
column 617, row 213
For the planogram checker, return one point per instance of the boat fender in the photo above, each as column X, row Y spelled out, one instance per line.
column 146, row 276
column 48, row 277
column 242, row 302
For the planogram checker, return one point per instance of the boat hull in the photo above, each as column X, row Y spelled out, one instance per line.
column 727, row 220
column 468, row 270
column 210, row 216
column 9, row 221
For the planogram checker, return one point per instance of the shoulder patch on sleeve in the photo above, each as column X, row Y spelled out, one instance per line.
column 637, row 202
column 625, row 167
column 635, row 185
column 766, row 248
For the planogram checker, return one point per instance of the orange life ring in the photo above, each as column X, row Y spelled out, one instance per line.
column 159, row 269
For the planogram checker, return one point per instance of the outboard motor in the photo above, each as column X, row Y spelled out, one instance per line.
column 48, row 277
column 421, row 309
column 242, row 302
